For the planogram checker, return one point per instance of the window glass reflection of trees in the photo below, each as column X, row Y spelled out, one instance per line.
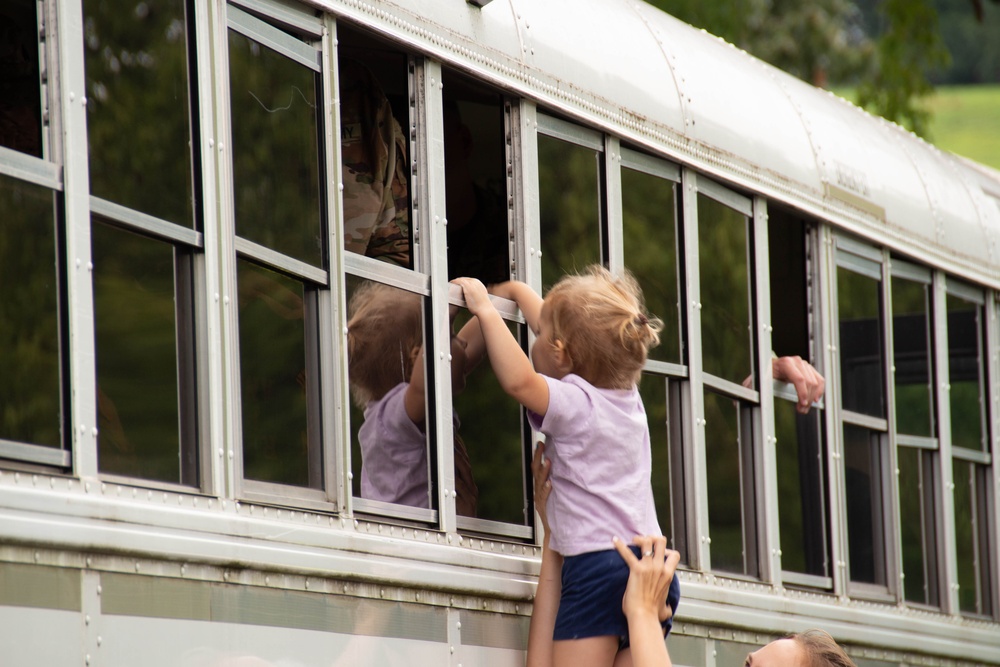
column 727, row 337
column 138, row 111
column 569, row 192
column 650, row 249
column 29, row 310
column 859, row 303
column 966, row 374
column 136, row 331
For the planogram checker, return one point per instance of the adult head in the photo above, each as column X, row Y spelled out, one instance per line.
column 812, row 648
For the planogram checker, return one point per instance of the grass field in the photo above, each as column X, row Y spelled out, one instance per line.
column 966, row 121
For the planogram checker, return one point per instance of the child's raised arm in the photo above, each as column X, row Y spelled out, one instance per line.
column 526, row 298
column 510, row 364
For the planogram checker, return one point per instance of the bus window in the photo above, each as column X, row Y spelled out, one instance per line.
column 800, row 447
column 390, row 457
column 569, row 182
column 139, row 107
column 374, row 112
column 865, row 520
column 143, row 357
column 970, row 437
column 281, row 254
column 731, row 508
column 661, row 397
column 30, row 347
column 861, row 365
column 21, row 91
column 475, row 153
column 916, row 430
column 727, row 334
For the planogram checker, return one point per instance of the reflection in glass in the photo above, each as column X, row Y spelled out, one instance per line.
column 917, row 522
column 730, row 485
column 475, row 160
column 29, row 313
column 863, row 471
column 966, row 375
column 275, row 150
column 725, row 291
column 972, row 538
column 492, row 432
column 801, row 490
column 911, row 340
column 386, row 372
column 858, row 299
column 650, row 246
column 570, row 208
column 138, row 115
column 136, row 332
column 276, row 343
column 373, row 150
column 667, row 457
column 20, row 87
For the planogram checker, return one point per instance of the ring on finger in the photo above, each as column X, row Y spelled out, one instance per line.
column 647, row 553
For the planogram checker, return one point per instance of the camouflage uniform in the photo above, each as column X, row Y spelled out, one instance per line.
column 373, row 151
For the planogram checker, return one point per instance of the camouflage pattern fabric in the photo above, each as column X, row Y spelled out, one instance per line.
column 373, row 151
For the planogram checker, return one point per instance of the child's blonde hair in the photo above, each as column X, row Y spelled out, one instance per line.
column 385, row 325
column 603, row 325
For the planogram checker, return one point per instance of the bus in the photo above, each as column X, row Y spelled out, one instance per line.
column 203, row 202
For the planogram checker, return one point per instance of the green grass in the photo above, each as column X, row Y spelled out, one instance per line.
column 966, row 121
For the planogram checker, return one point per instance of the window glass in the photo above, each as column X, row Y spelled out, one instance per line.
column 662, row 402
column 972, row 538
column 475, row 160
column 275, row 150
column 966, row 376
column 650, row 245
column 570, row 207
column 490, row 436
column 138, row 114
column 917, row 521
column 801, row 457
column 731, row 511
column 863, row 471
column 725, row 291
column 860, row 347
column 136, row 330
column 386, row 368
column 911, row 340
column 29, row 310
column 20, row 88
column 374, row 113
column 277, row 340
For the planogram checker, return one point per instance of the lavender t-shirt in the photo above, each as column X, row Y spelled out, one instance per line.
column 393, row 453
column 598, row 442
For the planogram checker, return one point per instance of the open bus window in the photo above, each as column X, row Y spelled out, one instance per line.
column 20, row 87
column 145, row 392
column 30, row 347
column 570, row 160
column 138, row 106
column 374, row 112
column 661, row 397
column 475, row 151
column 390, row 455
column 801, row 447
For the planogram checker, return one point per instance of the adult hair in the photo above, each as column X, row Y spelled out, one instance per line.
column 821, row 649
column 602, row 322
column 385, row 325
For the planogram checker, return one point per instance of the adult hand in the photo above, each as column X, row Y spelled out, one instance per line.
column 809, row 384
column 540, row 468
column 649, row 576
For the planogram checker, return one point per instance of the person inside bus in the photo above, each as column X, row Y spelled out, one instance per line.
column 650, row 579
column 593, row 337
column 386, row 371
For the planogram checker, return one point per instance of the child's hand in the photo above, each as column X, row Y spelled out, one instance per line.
column 476, row 296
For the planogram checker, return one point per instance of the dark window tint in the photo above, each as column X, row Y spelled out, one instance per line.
column 863, row 472
column 918, row 523
column 860, row 350
column 966, row 374
column 20, row 89
column 911, row 338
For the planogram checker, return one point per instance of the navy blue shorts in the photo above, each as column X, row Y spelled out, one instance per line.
column 593, row 585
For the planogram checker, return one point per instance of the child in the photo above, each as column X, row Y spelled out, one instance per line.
column 384, row 349
column 592, row 338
